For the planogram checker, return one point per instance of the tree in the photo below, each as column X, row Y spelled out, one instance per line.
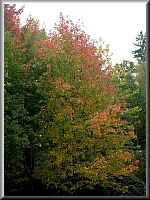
column 21, row 99
column 141, row 81
column 83, row 140
column 131, row 80
column 140, row 54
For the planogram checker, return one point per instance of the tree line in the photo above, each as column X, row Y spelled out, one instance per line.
column 73, row 123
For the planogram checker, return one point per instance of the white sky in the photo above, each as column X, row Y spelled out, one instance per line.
column 118, row 24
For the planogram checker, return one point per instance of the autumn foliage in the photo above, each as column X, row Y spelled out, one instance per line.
column 73, row 113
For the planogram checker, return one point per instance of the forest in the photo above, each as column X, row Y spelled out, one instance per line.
column 73, row 123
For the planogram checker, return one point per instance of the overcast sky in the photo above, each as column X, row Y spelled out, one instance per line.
column 118, row 24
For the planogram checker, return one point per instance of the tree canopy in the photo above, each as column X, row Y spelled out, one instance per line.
column 66, row 108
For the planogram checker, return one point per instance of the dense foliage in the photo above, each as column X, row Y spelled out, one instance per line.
column 70, row 118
